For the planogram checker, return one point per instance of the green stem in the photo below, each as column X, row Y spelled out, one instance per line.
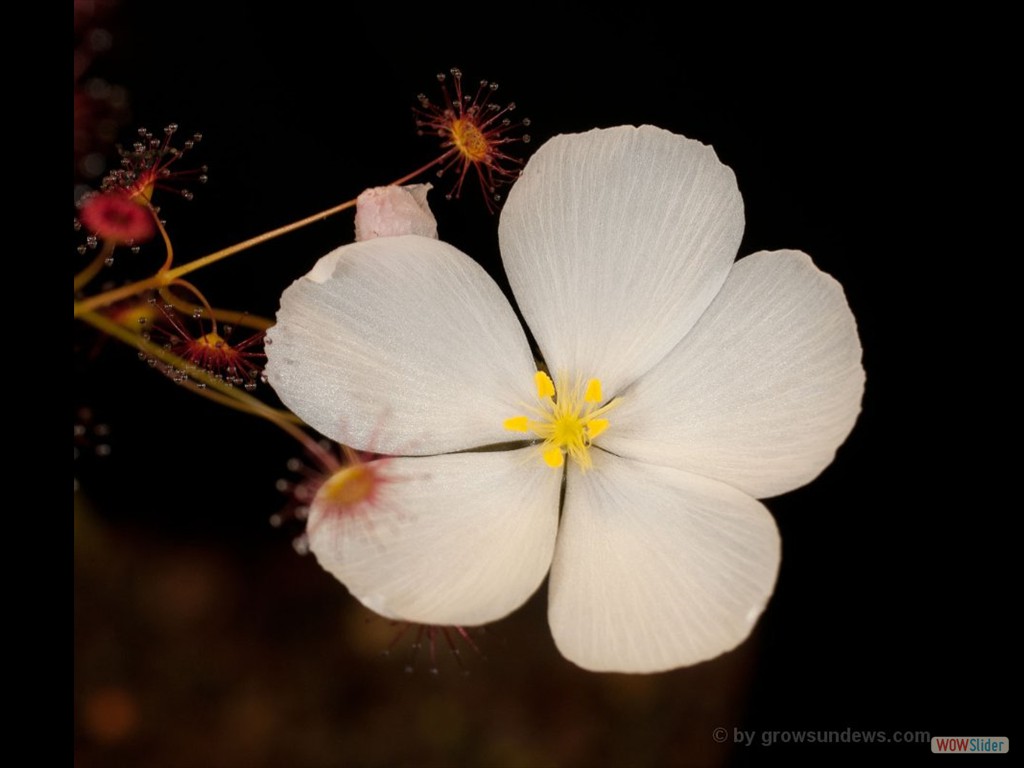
column 246, row 402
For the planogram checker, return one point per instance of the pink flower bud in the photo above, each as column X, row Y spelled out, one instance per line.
column 392, row 211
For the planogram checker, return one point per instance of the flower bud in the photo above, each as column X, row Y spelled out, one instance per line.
column 392, row 211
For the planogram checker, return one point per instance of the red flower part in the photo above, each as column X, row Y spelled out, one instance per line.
column 213, row 354
column 147, row 166
column 235, row 364
column 434, row 638
column 117, row 218
column 474, row 132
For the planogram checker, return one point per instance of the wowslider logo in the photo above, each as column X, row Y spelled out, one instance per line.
column 973, row 745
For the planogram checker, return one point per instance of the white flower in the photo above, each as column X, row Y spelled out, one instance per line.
column 687, row 386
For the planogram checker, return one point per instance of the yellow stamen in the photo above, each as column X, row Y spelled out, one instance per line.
column 554, row 458
column 517, row 424
column 568, row 423
column 545, row 386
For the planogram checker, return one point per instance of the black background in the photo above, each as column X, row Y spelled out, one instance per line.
column 867, row 144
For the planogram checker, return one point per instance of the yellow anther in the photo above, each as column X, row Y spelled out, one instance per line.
column 553, row 457
column 593, row 393
column 517, row 424
column 545, row 386
column 595, row 427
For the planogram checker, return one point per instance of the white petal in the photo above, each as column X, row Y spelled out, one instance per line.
column 656, row 568
column 763, row 390
column 615, row 241
column 400, row 345
column 457, row 539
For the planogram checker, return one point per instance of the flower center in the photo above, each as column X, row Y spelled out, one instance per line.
column 350, row 485
column 211, row 340
column 567, row 421
column 468, row 139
